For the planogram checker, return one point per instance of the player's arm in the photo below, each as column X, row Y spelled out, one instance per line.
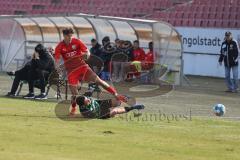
column 86, row 55
column 221, row 55
column 57, row 54
column 83, row 48
column 236, row 51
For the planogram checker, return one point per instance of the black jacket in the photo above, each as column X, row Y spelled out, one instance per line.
column 229, row 53
column 45, row 62
column 106, row 58
column 129, row 53
column 97, row 50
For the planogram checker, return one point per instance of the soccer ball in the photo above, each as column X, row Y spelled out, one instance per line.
column 219, row 109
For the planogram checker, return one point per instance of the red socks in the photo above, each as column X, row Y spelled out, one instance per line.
column 111, row 90
column 74, row 104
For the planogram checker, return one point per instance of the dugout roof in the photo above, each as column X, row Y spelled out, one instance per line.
column 19, row 35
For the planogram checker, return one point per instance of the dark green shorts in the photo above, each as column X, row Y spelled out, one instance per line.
column 105, row 106
column 104, row 110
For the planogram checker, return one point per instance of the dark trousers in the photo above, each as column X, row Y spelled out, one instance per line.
column 20, row 75
column 30, row 75
column 41, row 76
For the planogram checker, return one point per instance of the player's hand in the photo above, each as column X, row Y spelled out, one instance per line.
column 35, row 55
column 122, row 98
column 86, row 56
column 220, row 63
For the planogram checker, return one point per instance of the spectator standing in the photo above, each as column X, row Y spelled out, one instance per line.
column 229, row 54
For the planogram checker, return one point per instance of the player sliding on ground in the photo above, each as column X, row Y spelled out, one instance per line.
column 102, row 109
column 74, row 53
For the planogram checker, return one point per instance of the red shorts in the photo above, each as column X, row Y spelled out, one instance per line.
column 83, row 73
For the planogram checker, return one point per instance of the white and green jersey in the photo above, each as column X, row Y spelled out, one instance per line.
column 92, row 110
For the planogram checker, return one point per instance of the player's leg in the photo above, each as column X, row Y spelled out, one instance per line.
column 73, row 81
column 74, row 91
column 110, row 89
column 73, row 86
column 90, row 76
column 115, row 109
column 115, row 103
column 120, row 110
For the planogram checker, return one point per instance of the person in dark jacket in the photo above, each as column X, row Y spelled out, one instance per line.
column 96, row 48
column 106, row 57
column 229, row 54
column 127, row 48
column 39, row 68
column 96, row 51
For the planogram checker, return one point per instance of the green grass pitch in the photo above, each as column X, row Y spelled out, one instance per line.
column 29, row 130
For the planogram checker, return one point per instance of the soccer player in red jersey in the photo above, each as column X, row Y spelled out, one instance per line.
column 74, row 53
column 143, row 65
column 149, row 59
column 138, row 53
column 138, row 57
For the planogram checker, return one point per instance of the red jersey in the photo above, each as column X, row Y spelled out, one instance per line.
column 138, row 54
column 71, row 54
column 149, row 61
column 149, row 57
